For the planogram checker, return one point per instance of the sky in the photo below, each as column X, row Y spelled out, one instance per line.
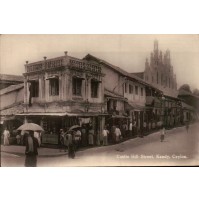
column 128, row 52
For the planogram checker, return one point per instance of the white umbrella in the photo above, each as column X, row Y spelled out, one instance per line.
column 30, row 127
column 74, row 127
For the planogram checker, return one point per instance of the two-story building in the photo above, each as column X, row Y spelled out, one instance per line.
column 11, row 100
column 62, row 92
column 125, row 95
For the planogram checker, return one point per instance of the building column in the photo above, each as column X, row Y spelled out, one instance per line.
column 26, row 94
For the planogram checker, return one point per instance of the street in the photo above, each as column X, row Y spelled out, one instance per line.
column 178, row 149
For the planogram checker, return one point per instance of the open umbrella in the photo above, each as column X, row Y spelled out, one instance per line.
column 74, row 127
column 30, row 127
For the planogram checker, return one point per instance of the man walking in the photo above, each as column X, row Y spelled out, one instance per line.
column 31, row 150
column 187, row 126
column 162, row 135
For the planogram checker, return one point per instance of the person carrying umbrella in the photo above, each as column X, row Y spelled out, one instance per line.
column 31, row 143
column 31, row 149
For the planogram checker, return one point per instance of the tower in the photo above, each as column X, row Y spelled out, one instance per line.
column 156, row 52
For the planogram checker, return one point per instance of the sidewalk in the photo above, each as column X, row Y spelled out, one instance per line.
column 43, row 152
column 53, row 152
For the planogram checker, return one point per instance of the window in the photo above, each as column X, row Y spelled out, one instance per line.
column 141, row 91
column 161, row 79
column 166, row 82
column 130, row 89
column 136, row 90
column 169, row 82
column 157, row 77
column 114, row 104
column 77, row 86
column 34, row 88
column 54, row 87
column 125, row 87
column 152, row 79
column 94, row 88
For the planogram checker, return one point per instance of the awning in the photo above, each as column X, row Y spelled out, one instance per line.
column 52, row 77
column 186, row 106
column 119, row 117
column 7, row 118
column 62, row 114
column 134, row 106
column 114, row 96
column 150, row 100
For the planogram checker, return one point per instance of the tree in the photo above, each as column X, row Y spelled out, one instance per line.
column 186, row 88
column 196, row 92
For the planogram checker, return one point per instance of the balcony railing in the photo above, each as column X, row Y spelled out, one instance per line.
column 44, row 65
column 85, row 66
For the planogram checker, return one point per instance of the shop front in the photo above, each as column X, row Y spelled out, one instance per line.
column 53, row 122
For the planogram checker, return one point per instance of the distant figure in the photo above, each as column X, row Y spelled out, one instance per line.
column 105, row 133
column 22, row 137
column 144, row 128
column 31, row 150
column 71, row 145
column 187, row 126
column 18, row 137
column 78, row 138
column 113, row 128
column 62, row 140
column 84, row 136
column 130, row 133
column 124, row 129
column 117, row 134
column 91, row 137
column 6, row 135
column 135, row 127
column 162, row 135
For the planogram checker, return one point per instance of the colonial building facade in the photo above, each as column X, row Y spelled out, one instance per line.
column 125, row 95
column 62, row 92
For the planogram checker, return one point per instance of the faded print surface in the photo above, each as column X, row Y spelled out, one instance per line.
column 102, row 83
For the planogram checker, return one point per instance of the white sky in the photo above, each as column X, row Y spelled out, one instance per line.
column 126, row 51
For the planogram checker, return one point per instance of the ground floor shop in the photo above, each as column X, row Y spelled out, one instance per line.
column 52, row 123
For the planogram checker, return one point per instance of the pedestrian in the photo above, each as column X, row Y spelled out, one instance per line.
column 18, row 139
column 91, row 137
column 31, row 150
column 130, row 132
column 105, row 133
column 124, row 129
column 62, row 140
column 22, row 137
column 144, row 128
column 6, row 135
column 84, row 136
column 113, row 137
column 187, row 126
column 117, row 134
column 162, row 135
column 37, row 136
column 135, row 127
column 71, row 146
column 77, row 139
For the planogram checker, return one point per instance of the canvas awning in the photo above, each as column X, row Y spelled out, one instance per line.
column 134, row 106
column 62, row 114
column 114, row 96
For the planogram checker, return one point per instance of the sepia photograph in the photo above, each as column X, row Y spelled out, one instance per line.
column 97, row 100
